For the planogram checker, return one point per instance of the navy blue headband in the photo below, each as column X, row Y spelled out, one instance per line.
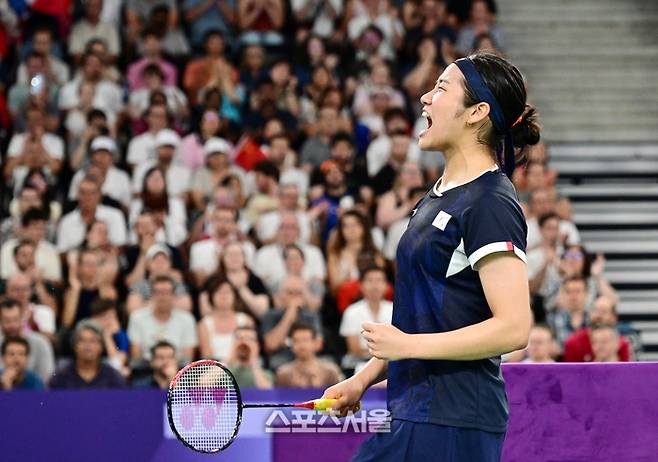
column 496, row 115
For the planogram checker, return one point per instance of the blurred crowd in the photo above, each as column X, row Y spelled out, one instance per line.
column 229, row 179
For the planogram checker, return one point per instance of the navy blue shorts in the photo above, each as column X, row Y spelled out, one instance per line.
column 425, row 442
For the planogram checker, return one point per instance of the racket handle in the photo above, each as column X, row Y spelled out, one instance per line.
column 325, row 405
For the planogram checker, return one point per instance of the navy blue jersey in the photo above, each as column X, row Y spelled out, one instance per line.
column 437, row 289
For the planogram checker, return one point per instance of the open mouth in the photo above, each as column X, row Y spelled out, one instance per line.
column 429, row 119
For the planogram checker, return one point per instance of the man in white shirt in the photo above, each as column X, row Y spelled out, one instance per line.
column 73, row 226
column 269, row 264
column 204, row 255
column 177, row 176
column 33, row 229
column 142, row 147
column 268, row 223
column 34, row 148
column 116, row 182
column 90, row 27
column 162, row 321
column 372, row 308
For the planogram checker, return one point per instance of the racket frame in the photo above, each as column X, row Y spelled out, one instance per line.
column 170, row 398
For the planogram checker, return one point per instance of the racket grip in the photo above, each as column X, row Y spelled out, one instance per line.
column 325, row 405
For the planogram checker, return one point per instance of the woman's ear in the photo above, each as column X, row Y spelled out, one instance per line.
column 477, row 113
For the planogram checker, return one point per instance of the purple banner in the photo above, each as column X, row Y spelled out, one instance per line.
column 561, row 412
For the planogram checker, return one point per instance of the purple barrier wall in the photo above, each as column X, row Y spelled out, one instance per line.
column 562, row 412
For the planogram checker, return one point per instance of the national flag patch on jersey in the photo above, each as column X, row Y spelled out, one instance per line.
column 510, row 246
column 441, row 220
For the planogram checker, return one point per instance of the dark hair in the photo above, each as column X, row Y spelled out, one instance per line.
column 162, row 344
column 8, row 303
column 587, row 257
column 575, row 279
column 341, row 137
column 218, row 280
column 338, row 243
column 151, row 32
column 102, row 305
column 150, row 201
column 508, row 87
column 395, row 112
column 15, row 340
column 548, row 216
column 34, row 54
column 153, row 69
column 481, row 38
column 32, row 215
column 94, row 113
column 371, row 269
column 603, row 326
column 23, row 243
column 267, row 168
column 302, row 325
column 212, row 33
column 293, row 247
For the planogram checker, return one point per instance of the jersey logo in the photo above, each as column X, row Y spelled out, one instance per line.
column 441, row 220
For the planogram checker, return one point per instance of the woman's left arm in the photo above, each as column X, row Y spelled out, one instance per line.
column 505, row 284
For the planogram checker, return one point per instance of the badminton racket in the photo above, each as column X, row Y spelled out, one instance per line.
column 204, row 406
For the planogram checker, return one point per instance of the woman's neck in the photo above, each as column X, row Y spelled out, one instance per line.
column 463, row 163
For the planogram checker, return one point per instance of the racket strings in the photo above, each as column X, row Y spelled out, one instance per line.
column 205, row 407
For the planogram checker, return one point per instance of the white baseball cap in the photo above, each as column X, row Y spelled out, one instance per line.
column 167, row 137
column 103, row 143
column 156, row 249
column 217, row 144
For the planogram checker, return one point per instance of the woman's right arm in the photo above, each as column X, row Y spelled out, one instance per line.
column 349, row 391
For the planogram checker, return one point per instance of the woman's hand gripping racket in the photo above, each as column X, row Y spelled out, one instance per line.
column 204, row 406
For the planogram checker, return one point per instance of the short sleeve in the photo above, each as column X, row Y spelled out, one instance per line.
column 349, row 324
column 493, row 223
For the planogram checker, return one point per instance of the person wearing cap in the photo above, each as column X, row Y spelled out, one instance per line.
column 218, row 166
column 177, row 176
column 116, row 183
column 87, row 370
column 157, row 262
column 142, row 147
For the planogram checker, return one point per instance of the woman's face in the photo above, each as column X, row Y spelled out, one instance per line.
column 315, row 48
column 233, row 257
column 294, row 262
column 88, row 266
column 573, row 261
column 155, row 183
column 443, row 106
column 321, row 77
column 352, row 229
column 223, row 298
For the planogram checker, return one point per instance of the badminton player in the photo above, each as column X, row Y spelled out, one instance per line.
column 461, row 290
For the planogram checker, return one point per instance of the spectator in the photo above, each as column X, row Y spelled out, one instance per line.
column 314, row 287
column 34, row 148
column 351, row 245
column 260, row 21
column 210, row 70
column 55, row 68
column 153, row 78
column 105, row 313
column 541, row 203
column 28, row 198
column 567, row 319
column 177, row 176
column 381, row 14
column 379, row 149
column 217, row 167
column 307, row 370
column 152, row 54
column 397, row 203
column 318, row 16
column 481, row 21
column 163, row 204
column 265, row 197
column 277, row 323
column 284, row 158
column 372, row 308
column 87, row 369
column 317, row 149
column 269, row 263
column 37, row 317
column 289, row 201
column 174, row 42
column 15, row 375
column 84, row 123
column 157, row 262
column 92, row 26
column 73, row 225
column 544, row 261
column 88, row 282
column 207, row 17
column 384, row 180
column 43, row 259
column 204, row 255
column 605, row 344
column 578, row 347
column 41, row 358
column 249, row 287
column 142, row 147
column 163, row 367
column 161, row 320
column 334, row 199
column 115, row 182
column 227, row 314
column 192, row 150
column 541, row 345
column 253, row 66
column 245, row 362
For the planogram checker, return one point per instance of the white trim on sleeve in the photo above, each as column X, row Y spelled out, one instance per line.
column 504, row 246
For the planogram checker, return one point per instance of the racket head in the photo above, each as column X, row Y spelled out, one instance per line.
column 204, row 406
